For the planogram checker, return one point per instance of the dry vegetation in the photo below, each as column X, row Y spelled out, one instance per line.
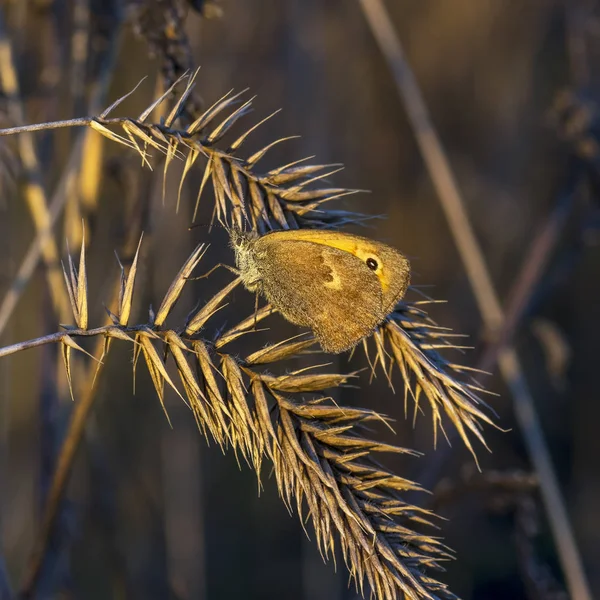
column 274, row 404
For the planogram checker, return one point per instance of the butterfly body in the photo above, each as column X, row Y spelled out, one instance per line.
column 340, row 285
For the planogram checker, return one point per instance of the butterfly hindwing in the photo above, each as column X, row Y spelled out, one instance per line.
column 327, row 289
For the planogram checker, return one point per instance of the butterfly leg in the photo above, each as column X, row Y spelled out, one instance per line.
column 255, row 308
column 228, row 267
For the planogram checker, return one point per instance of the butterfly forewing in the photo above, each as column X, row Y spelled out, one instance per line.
column 327, row 289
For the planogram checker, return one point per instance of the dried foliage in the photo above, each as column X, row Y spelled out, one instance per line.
column 414, row 340
column 324, row 461
column 318, row 448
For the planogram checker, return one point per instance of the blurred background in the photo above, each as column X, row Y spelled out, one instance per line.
column 155, row 512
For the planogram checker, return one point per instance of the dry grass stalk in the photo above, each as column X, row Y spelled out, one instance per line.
column 290, row 196
column 35, row 195
column 318, row 449
column 120, row 302
column 84, row 154
column 285, row 197
column 483, row 288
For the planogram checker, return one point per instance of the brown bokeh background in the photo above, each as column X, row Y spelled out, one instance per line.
column 154, row 512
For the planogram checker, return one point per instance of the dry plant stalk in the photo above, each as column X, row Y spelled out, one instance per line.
column 320, row 451
column 488, row 302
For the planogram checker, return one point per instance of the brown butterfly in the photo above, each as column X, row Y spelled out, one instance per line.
column 340, row 285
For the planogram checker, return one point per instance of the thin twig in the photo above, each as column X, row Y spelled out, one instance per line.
column 79, row 416
column 53, row 338
column 34, row 253
column 519, row 298
column 34, row 190
column 61, row 476
column 530, row 274
column 75, row 431
column 82, row 410
column 483, row 289
column 525, row 285
column 79, row 122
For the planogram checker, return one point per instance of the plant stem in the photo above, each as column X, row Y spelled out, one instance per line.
column 483, row 289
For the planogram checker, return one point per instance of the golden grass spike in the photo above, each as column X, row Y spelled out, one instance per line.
column 126, row 298
column 263, row 417
column 71, row 292
column 105, row 348
column 111, row 135
column 220, row 199
column 119, row 334
column 118, row 101
column 276, row 210
column 199, row 124
column 380, row 357
column 306, row 383
column 279, row 351
column 207, row 172
column 241, row 424
column 198, row 401
column 67, row 344
column 66, row 354
column 244, row 326
column 217, row 403
column 131, row 127
column 221, row 129
column 171, row 151
column 74, row 292
column 176, row 287
column 155, row 373
column 306, row 182
column 156, row 132
column 189, row 162
column 177, row 347
column 137, row 349
column 286, row 176
column 142, row 152
column 144, row 115
column 220, row 176
column 82, row 298
column 252, row 160
column 287, row 166
column 195, row 126
column 258, row 204
column 209, row 308
column 176, row 110
column 410, row 335
column 157, row 369
column 122, row 283
column 239, row 197
column 294, row 195
column 69, row 341
column 238, row 143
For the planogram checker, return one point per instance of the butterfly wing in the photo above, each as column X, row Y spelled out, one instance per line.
column 393, row 269
column 327, row 289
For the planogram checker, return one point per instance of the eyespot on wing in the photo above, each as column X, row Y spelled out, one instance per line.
column 393, row 268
